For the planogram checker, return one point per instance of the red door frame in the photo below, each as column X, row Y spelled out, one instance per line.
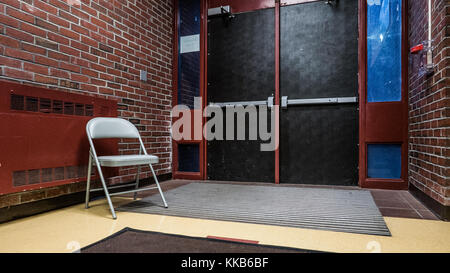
column 383, row 134
column 392, row 114
column 201, row 175
column 277, row 90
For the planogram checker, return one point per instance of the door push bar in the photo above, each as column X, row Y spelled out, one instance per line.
column 269, row 102
column 285, row 101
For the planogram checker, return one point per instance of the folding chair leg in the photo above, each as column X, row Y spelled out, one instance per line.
column 137, row 181
column 88, row 186
column 159, row 187
column 111, row 207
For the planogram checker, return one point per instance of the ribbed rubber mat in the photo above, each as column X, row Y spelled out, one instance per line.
column 352, row 211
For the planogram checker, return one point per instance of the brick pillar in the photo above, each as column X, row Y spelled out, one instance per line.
column 429, row 109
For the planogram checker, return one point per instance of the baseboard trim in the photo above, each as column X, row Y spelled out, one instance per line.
column 37, row 207
column 441, row 211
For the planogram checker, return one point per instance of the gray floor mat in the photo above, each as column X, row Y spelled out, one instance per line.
column 352, row 211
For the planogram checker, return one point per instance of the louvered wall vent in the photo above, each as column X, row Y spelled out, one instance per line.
column 40, row 176
column 49, row 106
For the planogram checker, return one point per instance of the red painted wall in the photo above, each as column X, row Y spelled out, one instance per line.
column 97, row 47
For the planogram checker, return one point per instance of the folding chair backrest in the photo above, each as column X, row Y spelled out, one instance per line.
column 101, row 128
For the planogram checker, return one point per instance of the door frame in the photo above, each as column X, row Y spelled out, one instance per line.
column 201, row 175
column 238, row 6
column 384, row 134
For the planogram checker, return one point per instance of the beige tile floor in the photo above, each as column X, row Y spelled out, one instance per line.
column 69, row 229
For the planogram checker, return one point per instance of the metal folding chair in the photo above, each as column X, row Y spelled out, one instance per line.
column 110, row 128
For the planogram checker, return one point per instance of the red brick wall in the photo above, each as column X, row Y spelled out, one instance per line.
column 97, row 47
column 429, row 103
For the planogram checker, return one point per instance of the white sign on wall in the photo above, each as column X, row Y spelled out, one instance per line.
column 190, row 43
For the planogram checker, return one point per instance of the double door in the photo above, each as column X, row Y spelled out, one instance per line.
column 317, row 75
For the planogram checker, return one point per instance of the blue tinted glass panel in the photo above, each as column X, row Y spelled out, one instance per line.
column 384, row 161
column 188, row 63
column 384, row 58
column 188, row 158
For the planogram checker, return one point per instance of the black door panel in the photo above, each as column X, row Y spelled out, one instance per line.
column 241, row 67
column 319, row 59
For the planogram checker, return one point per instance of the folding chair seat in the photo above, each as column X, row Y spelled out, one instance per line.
column 128, row 160
column 104, row 128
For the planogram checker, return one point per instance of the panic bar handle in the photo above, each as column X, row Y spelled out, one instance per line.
column 320, row 101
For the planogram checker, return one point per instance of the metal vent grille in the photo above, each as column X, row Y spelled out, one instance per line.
column 72, row 172
column 57, row 107
column 47, row 175
column 79, row 109
column 89, row 110
column 68, row 108
column 20, row 178
column 32, row 104
column 45, row 106
column 59, row 174
column 39, row 176
column 82, row 171
column 17, row 102
column 48, row 106
column 34, row 177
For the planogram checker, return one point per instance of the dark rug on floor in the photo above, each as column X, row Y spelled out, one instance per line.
column 352, row 211
column 137, row 241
